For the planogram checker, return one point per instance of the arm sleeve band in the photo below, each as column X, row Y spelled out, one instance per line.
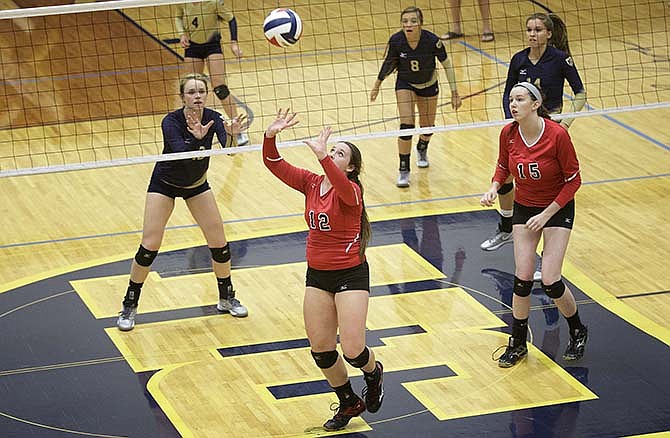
column 232, row 26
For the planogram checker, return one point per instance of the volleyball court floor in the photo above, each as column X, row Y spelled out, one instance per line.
column 437, row 312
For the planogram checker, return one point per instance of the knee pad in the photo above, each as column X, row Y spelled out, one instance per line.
column 221, row 91
column 505, row 188
column 144, row 257
column 522, row 288
column 325, row 359
column 221, row 255
column 406, row 126
column 361, row 360
column 555, row 290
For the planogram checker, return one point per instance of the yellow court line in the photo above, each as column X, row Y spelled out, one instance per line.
column 181, row 425
column 77, row 267
column 276, row 231
column 379, row 214
column 164, row 402
column 651, row 435
column 610, row 302
column 584, row 392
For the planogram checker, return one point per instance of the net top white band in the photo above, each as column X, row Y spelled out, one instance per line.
column 83, row 7
column 242, row 149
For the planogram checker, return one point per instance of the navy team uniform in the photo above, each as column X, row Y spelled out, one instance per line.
column 549, row 73
column 185, row 178
column 416, row 67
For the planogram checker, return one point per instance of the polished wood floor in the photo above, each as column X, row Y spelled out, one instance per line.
column 64, row 222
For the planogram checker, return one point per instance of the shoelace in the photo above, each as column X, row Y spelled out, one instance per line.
column 493, row 355
column 335, row 407
column 373, row 390
column 339, row 410
column 126, row 312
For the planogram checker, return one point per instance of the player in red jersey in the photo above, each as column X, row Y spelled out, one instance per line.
column 338, row 278
column 547, row 63
column 540, row 156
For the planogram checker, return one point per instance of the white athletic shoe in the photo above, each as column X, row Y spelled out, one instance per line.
column 499, row 239
column 537, row 276
column 403, row 179
column 126, row 321
column 242, row 139
column 233, row 306
column 422, row 161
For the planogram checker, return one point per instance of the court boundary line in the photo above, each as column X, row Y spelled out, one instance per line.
column 296, row 215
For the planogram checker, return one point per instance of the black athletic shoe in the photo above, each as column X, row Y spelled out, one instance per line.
column 373, row 393
column 576, row 345
column 514, row 353
column 343, row 414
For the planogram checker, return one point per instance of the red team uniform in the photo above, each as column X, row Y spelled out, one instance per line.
column 545, row 171
column 333, row 218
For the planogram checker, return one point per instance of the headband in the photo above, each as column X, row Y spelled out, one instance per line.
column 532, row 89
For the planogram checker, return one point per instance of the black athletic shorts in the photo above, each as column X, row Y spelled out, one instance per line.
column 356, row 278
column 157, row 185
column 202, row 51
column 564, row 218
column 430, row 91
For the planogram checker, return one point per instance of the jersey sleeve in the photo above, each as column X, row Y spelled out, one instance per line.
column 571, row 74
column 440, row 50
column 512, row 79
column 290, row 175
column 220, row 130
column 390, row 61
column 348, row 191
column 173, row 135
column 179, row 21
column 224, row 12
column 502, row 171
column 567, row 158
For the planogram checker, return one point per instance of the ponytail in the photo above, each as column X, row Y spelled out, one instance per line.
column 366, row 228
column 557, row 27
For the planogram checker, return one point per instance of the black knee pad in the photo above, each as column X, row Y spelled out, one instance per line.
column 555, row 290
column 406, row 126
column 221, row 255
column 505, row 188
column 522, row 288
column 222, row 91
column 361, row 360
column 144, row 257
column 325, row 359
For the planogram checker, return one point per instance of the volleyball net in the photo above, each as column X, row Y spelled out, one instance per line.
column 86, row 85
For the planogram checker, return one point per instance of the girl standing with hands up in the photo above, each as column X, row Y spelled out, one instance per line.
column 338, row 278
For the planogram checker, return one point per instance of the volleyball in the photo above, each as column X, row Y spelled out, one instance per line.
column 282, row 27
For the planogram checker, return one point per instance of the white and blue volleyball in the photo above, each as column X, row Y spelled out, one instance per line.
column 282, row 27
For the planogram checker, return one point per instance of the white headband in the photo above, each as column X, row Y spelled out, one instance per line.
column 532, row 89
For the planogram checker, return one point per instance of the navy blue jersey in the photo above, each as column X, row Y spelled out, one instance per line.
column 415, row 66
column 176, row 138
column 550, row 72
